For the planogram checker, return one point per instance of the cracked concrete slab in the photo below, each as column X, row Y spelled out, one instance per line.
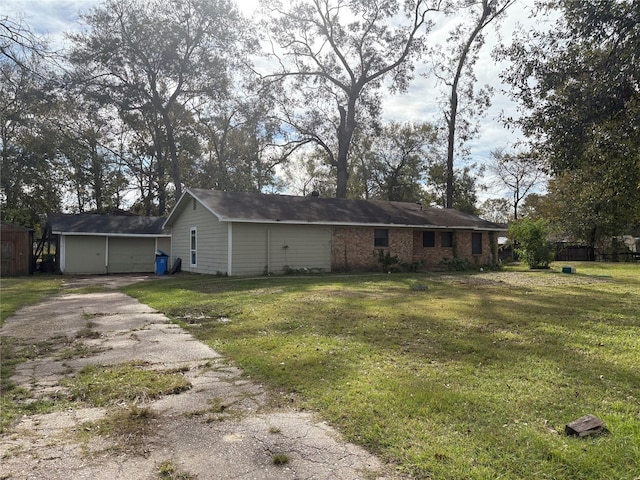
column 223, row 427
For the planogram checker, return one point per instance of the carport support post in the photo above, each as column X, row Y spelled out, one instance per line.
column 106, row 255
column 61, row 250
column 268, row 251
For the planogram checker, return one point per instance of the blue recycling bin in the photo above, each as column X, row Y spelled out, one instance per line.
column 162, row 261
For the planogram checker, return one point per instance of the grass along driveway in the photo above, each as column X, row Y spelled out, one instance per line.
column 18, row 292
column 473, row 377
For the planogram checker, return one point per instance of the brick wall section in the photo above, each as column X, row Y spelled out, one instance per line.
column 463, row 247
column 353, row 249
column 431, row 256
column 401, row 244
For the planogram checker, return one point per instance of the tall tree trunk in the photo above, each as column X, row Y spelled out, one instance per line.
column 451, row 140
column 96, row 171
column 160, row 171
column 489, row 12
column 345, row 133
column 342, row 164
column 173, row 151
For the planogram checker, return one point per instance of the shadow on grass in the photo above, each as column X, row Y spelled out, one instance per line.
column 441, row 380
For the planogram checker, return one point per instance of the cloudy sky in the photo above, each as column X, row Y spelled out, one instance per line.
column 53, row 17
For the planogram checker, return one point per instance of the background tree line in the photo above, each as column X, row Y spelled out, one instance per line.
column 154, row 96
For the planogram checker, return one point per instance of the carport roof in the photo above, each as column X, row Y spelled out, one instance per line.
column 261, row 208
column 94, row 224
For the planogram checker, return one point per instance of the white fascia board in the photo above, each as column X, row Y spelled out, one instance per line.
column 348, row 224
column 101, row 234
column 179, row 203
column 175, row 208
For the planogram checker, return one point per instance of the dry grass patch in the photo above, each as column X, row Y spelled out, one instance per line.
column 101, row 386
column 125, row 427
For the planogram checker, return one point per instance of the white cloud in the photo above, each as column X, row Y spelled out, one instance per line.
column 49, row 18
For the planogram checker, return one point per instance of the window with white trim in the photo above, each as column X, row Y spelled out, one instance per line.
column 193, row 253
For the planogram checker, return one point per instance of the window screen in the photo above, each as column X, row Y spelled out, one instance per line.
column 381, row 237
column 476, row 243
column 446, row 239
column 428, row 239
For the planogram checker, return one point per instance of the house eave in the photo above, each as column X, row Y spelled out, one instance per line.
column 106, row 234
column 167, row 222
column 354, row 224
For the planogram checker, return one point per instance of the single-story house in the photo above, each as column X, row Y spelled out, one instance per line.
column 16, row 247
column 215, row 232
column 103, row 244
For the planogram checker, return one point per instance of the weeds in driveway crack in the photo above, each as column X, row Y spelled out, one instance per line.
column 127, row 427
column 280, row 459
column 168, row 471
column 79, row 350
column 128, row 382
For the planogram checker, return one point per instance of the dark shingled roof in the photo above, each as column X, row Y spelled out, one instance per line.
column 105, row 224
column 256, row 207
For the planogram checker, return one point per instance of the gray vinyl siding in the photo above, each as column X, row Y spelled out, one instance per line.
column 164, row 244
column 131, row 255
column 293, row 246
column 212, row 240
column 84, row 254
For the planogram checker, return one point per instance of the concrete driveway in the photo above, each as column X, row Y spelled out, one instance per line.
column 187, row 439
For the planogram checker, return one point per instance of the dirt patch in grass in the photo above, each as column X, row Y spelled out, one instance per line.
column 524, row 279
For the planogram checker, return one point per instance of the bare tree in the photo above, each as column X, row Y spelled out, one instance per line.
column 496, row 210
column 519, row 173
column 466, row 41
column 17, row 41
column 334, row 55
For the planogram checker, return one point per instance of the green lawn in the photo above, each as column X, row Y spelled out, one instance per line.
column 472, row 378
column 21, row 291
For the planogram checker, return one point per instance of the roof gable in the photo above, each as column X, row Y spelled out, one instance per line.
column 105, row 224
column 262, row 208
